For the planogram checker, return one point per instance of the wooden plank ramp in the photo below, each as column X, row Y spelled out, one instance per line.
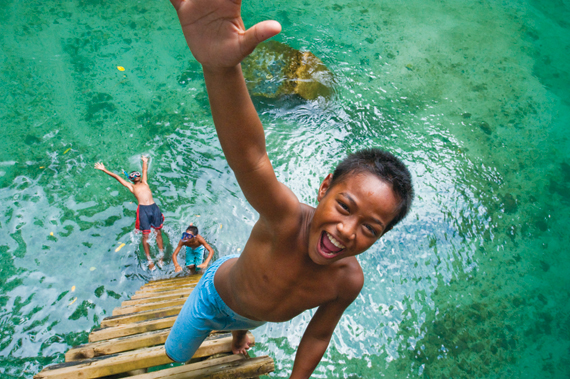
column 131, row 341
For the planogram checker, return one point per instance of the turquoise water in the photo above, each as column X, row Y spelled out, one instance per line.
column 474, row 96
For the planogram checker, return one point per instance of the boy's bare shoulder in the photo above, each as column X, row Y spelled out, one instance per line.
column 350, row 279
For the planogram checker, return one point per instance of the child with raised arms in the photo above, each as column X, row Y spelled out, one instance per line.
column 149, row 216
column 297, row 257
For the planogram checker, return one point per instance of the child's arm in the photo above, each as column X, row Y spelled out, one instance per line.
column 144, row 168
column 210, row 253
column 177, row 267
column 217, row 38
column 319, row 331
column 101, row 166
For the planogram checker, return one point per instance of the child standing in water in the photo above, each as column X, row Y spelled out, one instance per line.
column 297, row 257
column 148, row 213
column 195, row 246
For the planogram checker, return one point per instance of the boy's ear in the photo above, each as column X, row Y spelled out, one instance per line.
column 325, row 185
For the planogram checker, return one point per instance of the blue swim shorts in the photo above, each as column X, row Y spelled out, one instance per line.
column 203, row 311
column 148, row 216
column 194, row 256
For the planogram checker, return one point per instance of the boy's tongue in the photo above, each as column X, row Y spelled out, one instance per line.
column 328, row 245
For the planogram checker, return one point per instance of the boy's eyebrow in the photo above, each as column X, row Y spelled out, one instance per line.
column 351, row 200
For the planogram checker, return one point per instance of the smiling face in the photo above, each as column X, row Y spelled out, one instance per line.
column 350, row 217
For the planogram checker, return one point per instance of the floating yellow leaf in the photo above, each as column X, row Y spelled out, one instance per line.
column 51, row 233
column 73, row 289
column 120, row 247
column 120, row 68
column 72, row 301
column 220, row 226
column 66, row 151
column 93, row 269
column 41, row 166
column 197, row 215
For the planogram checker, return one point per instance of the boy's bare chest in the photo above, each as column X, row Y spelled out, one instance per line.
column 278, row 289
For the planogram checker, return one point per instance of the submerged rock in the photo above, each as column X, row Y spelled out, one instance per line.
column 275, row 69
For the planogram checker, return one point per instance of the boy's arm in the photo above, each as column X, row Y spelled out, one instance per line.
column 177, row 267
column 319, row 331
column 144, row 169
column 217, row 38
column 210, row 252
column 101, row 166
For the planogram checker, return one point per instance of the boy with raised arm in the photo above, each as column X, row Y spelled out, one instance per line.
column 297, row 257
column 148, row 213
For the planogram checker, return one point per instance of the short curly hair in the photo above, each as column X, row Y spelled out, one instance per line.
column 388, row 168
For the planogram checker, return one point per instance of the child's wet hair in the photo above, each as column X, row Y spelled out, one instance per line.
column 387, row 167
column 193, row 229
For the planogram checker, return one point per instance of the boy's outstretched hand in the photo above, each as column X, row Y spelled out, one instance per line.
column 100, row 166
column 215, row 32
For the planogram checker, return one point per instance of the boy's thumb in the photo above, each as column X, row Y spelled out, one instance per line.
column 259, row 33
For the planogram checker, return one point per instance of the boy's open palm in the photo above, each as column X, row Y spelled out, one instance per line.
column 216, row 34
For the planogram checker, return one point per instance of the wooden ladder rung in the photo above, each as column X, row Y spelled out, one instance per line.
column 229, row 367
column 195, row 278
column 214, row 344
column 140, row 316
column 130, row 329
column 149, row 306
column 164, row 290
column 107, row 364
column 148, row 300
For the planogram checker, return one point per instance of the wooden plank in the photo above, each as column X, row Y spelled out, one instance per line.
column 215, row 344
column 116, row 345
column 140, row 316
column 173, row 281
column 130, row 329
column 148, row 300
column 146, row 307
column 162, row 290
column 170, row 283
column 148, row 295
column 167, row 373
column 231, row 367
column 107, row 365
column 195, row 277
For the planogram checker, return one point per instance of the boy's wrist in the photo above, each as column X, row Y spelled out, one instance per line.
column 221, row 71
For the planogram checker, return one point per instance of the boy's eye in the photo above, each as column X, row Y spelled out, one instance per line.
column 371, row 229
column 343, row 205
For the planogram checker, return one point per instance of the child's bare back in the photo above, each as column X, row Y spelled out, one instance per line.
column 297, row 257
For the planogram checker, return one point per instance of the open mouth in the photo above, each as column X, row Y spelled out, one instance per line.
column 330, row 247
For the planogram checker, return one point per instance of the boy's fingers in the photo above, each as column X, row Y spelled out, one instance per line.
column 259, row 33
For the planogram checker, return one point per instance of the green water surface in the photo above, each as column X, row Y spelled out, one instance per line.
column 474, row 96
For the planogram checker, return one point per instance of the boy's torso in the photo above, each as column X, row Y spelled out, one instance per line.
column 275, row 280
column 194, row 243
column 143, row 194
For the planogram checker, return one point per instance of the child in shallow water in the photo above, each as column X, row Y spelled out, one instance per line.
column 297, row 257
column 195, row 246
column 149, row 216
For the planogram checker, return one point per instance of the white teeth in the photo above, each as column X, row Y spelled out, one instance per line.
column 335, row 242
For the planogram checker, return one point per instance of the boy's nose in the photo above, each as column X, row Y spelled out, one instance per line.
column 347, row 229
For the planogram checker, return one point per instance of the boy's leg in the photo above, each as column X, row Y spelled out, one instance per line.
column 146, row 248
column 240, row 341
column 160, row 247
